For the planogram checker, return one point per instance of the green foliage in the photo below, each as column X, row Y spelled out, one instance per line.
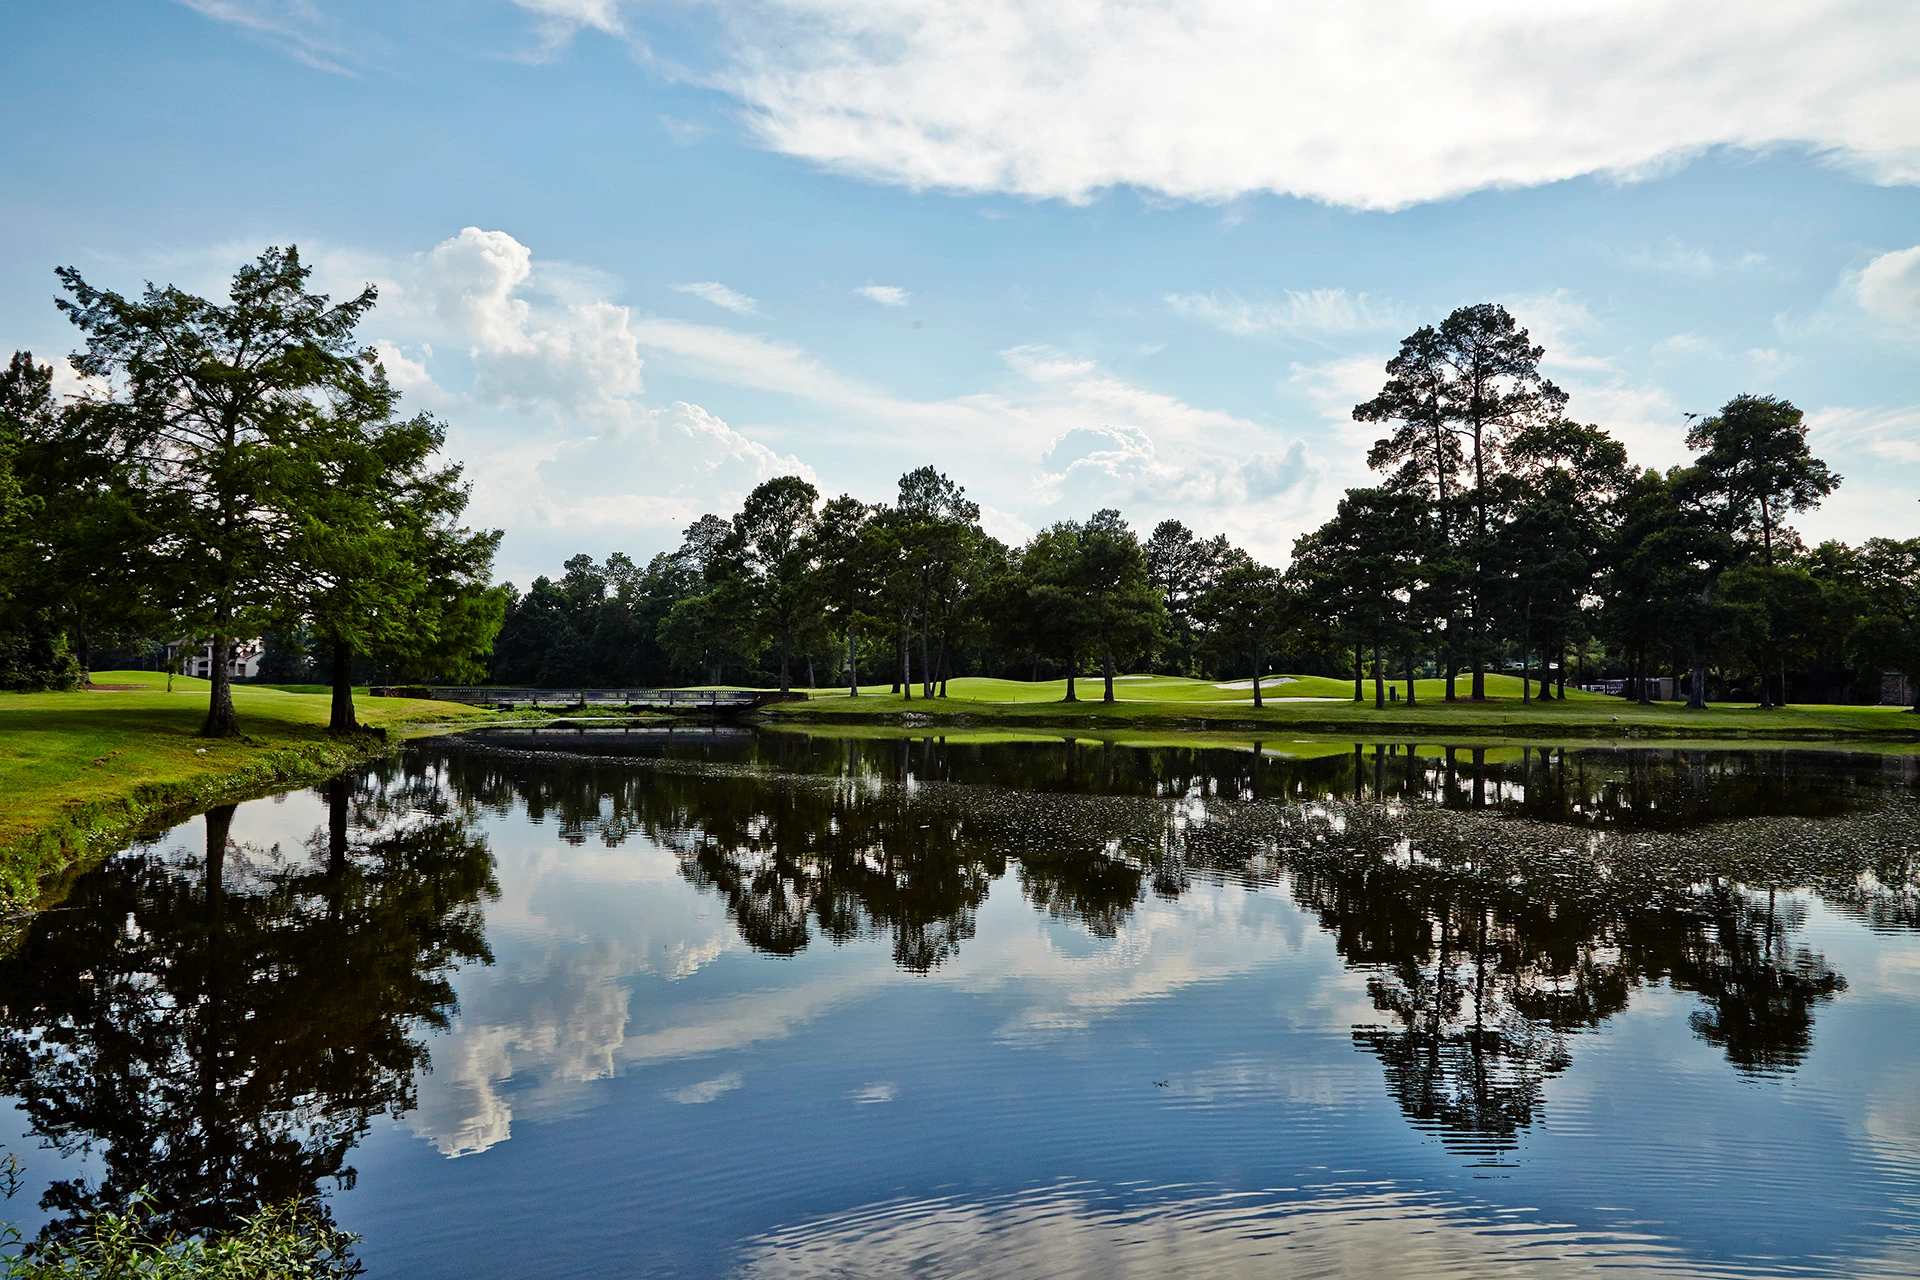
column 291, row 1241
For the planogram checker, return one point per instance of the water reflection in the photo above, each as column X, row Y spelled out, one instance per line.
column 223, row 1022
column 220, row 1027
column 1488, row 937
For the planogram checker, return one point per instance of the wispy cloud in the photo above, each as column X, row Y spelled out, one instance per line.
column 296, row 26
column 887, row 295
column 720, row 296
column 1310, row 313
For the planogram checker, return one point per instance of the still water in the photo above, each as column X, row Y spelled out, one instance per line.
column 713, row 1004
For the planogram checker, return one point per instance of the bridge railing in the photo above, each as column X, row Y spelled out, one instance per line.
column 482, row 696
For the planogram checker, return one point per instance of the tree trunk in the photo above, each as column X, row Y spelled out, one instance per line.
column 221, row 720
column 926, row 664
column 1526, row 656
column 219, row 826
column 1410, row 694
column 1379, row 680
column 1453, row 672
column 906, row 661
column 1257, row 664
column 1697, row 693
column 1073, row 661
column 342, row 720
column 1106, row 671
column 812, row 681
column 1359, row 673
column 853, row 666
column 336, row 827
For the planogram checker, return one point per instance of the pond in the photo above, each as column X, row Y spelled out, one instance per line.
column 733, row 1003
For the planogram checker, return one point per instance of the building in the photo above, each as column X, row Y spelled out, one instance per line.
column 243, row 658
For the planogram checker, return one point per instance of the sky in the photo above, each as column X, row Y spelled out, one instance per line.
column 640, row 257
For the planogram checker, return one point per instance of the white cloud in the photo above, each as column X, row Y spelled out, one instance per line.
column 706, row 1090
column 1323, row 99
column 1889, row 288
column 1891, row 435
column 559, row 21
column 887, row 295
column 541, row 373
column 297, row 26
column 1312, row 313
column 720, row 296
column 1677, row 258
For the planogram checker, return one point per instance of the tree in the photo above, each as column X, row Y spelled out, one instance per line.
column 1357, row 573
column 766, row 567
column 1477, row 379
column 840, row 564
column 224, row 412
column 1182, row 567
column 937, row 527
column 1056, row 618
column 1755, row 468
column 1123, row 610
column 1758, row 467
column 1566, row 479
column 694, row 630
column 1887, row 635
column 1246, row 607
column 69, row 563
column 1424, row 456
column 389, row 572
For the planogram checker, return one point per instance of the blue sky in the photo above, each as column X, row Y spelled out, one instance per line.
column 641, row 256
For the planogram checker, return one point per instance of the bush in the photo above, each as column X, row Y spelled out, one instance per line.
column 37, row 660
column 293, row 1241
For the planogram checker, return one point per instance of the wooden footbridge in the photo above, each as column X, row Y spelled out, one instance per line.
column 712, row 700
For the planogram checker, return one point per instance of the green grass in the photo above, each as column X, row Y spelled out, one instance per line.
column 68, row 759
column 1228, row 693
column 1299, row 705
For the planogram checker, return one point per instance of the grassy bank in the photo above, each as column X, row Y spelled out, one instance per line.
column 1313, row 704
column 85, row 772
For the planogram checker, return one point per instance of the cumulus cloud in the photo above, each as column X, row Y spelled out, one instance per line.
column 542, row 373
column 720, row 296
column 887, row 295
column 1327, row 100
column 1314, row 313
column 1889, row 289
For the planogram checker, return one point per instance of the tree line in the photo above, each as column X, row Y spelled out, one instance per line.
column 232, row 469
column 242, row 468
column 1500, row 534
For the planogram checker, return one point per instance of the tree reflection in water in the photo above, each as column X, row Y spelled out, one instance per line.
column 220, row 1028
column 1499, row 902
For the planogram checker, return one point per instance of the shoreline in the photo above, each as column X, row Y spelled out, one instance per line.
column 1428, row 721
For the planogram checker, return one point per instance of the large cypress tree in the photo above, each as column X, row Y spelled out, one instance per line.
column 226, row 413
